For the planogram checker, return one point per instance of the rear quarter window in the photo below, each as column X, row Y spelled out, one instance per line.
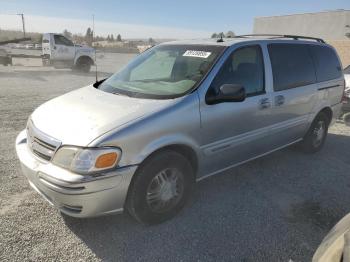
column 328, row 66
column 292, row 66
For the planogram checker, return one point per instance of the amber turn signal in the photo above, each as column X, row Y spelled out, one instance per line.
column 106, row 160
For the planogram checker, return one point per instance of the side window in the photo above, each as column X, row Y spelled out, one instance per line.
column 245, row 66
column 61, row 40
column 292, row 66
column 327, row 64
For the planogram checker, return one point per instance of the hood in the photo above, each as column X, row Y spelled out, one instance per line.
column 79, row 117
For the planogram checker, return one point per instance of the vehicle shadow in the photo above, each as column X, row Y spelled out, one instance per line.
column 275, row 208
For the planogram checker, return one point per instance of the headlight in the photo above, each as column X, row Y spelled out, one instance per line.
column 87, row 160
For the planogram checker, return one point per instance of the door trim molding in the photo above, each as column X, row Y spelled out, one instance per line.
column 245, row 161
column 250, row 136
column 234, row 141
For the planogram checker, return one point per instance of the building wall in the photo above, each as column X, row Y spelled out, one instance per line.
column 327, row 25
column 331, row 26
column 343, row 49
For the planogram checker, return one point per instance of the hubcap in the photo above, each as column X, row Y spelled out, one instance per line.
column 165, row 190
column 318, row 133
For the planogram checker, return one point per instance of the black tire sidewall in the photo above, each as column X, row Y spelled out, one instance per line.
column 84, row 67
column 308, row 145
column 137, row 203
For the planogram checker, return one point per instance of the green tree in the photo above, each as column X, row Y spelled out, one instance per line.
column 119, row 38
column 67, row 34
column 214, row 35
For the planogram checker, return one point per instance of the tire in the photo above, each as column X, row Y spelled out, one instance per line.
column 84, row 65
column 316, row 135
column 152, row 197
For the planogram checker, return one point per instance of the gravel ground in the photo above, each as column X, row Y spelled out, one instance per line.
column 277, row 208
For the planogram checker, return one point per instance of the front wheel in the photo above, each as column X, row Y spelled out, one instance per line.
column 316, row 135
column 161, row 188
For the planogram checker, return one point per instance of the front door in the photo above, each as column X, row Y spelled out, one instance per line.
column 234, row 132
column 63, row 49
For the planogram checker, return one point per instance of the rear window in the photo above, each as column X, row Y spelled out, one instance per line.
column 292, row 66
column 327, row 64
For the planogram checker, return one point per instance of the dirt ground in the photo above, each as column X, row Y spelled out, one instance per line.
column 276, row 208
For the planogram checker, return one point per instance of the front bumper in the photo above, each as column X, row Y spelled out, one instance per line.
column 73, row 194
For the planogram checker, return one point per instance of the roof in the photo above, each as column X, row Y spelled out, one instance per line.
column 234, row 40
column 208, row 41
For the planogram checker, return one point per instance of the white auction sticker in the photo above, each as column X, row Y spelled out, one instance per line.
column 194, row 53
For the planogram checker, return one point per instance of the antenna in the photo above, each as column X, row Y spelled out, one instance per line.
column 23, row 25
column 93, row 34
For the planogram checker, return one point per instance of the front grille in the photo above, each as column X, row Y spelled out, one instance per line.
column 41, row 144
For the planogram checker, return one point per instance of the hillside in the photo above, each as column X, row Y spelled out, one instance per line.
column 12, row 34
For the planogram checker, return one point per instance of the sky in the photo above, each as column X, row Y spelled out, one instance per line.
column 152, row 18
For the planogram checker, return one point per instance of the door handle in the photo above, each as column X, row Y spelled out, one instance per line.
column 54, row 47
column 279, row 100
column 264, row 103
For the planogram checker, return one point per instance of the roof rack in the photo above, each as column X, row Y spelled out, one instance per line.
column 295, row 37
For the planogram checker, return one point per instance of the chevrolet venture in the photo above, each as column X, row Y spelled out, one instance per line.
column 179, row 112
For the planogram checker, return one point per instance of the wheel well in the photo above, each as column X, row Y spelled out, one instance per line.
column 328, row 112
column 85, row 59
column 184, row 150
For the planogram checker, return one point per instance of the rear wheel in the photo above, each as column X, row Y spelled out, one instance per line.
column 316, row 135
column 83, row 65
column 161, row 188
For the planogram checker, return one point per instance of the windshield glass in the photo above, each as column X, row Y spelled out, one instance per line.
column 163, row 72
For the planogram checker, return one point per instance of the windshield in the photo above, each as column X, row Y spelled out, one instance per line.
column 163, row 72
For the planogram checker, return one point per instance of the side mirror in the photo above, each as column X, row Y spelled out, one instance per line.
column 227, row 93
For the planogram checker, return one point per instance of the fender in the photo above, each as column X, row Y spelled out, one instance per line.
column 84, row 52
column 165, row 141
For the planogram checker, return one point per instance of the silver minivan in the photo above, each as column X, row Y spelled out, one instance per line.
column 178, row 113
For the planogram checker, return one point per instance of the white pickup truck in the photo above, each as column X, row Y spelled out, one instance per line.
column 61, row 52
